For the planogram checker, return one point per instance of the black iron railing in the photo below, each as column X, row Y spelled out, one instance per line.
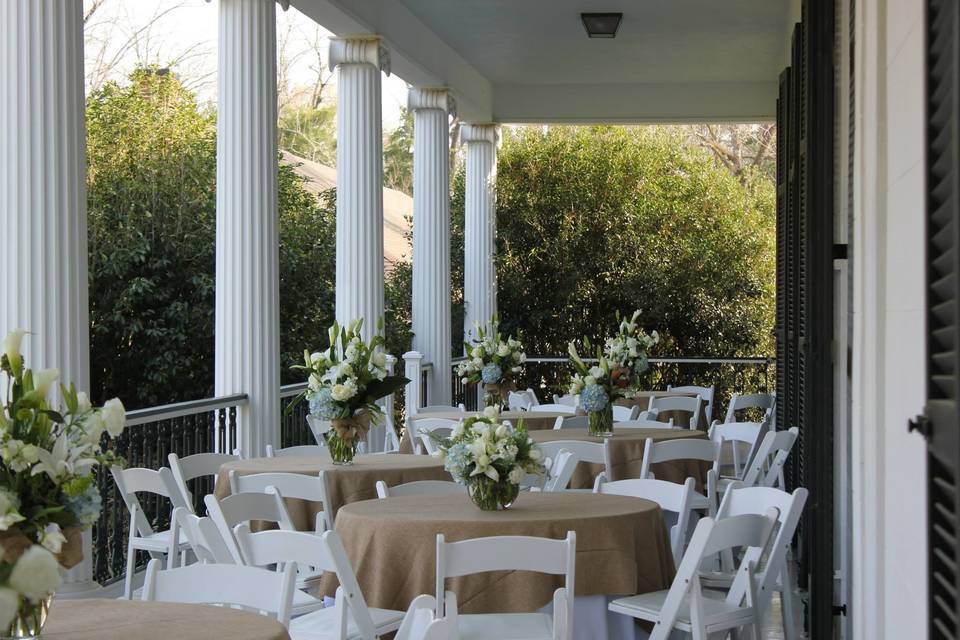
column 186, row 428
column 294, row 431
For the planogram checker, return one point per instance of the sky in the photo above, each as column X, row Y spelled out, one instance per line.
column 124, row 33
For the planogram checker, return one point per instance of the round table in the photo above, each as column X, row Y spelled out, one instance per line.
column 101, row 619
column 532, row 421
column 626, row 455
column 345, row 484
column 622, row 547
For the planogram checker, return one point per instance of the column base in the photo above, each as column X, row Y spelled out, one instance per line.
column 80, row 590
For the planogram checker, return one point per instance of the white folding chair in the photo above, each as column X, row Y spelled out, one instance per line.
column 258, row 590
column 686, row 449
column 202, row 536
column 290, row 485
column 590, row 452
column 688, row 404
column 421, row 622
column 141, row 535
column 442, row 408
column 509, row 553
column 744, row 439
column 301, row 451
column 776, row 573
column 521, row 400
column 199, row 465
column 706, row 393
column 765, row 401
column 571, row 422
column 425, row 427
column 677, row 499
column 622, row 414
column 560, row 469
column 555, row 408
column 420, row 488
column 644, row 424
column 349, row 618
column 683, row 607
column 240, row 508
column 567, row 400
column 766, row 467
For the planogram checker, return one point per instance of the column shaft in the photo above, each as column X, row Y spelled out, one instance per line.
column 480, row 227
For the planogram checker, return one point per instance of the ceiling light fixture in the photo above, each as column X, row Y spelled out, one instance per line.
column 601, row 25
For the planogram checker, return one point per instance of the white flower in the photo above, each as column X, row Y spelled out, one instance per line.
column 114, row 417
column 478, row 363
column 52, row 538
column 11, row 347
column 8, row 511
column 93, row 427
column 351, row 352
column 345, row 391
column 535, row 453
column 503, row 351
column 464, row 380
column 62, row 461
column 501, row 431
column 83, row 403
column 596, row 372
column 477, row 353
column 43, row 379
column 36, row 574
column 9, row 604
column 491, row 412
column 516, row 475
column 589, row 380
column 379, row 360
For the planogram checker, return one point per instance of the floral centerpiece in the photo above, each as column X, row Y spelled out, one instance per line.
column 490, row 459
column 620, row 362
column 343, row 387
column 48, row 493
column 493, row 362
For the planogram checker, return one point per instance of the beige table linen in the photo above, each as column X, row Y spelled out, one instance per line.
column 345, row 484
column 101, row 619
column 680, row 418
column 622, row 547
column 626, row 453
column 532, row 421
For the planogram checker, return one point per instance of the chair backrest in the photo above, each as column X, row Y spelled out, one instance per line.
column 438, row 427
column 251, row 588
column 672, row 497
column 301, row 451
column 738, row 402
column 505, row 553
column 571, row 422
column 322, row 552
column 203, row 537
column 740, row 500
column 442, row 408
column 419, row 488
column 136, row 480
column 707, row 393
column 749, row 532
column 592, row 452
column 689, row 404
column 318, row 428
column 622, row 413
column 680, row 449
column 567, row 400
column 420, row 623
column 737, row 433
column 518, row 401
column 766, row 467
column 644, row 424
column 240, row 508
column 555, row 408
column 560, row 469
column 290, row 485
column 199, row 465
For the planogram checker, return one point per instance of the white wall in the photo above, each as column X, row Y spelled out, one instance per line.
column 888, row 387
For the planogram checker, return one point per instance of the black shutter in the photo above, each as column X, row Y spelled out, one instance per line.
column 941, row 423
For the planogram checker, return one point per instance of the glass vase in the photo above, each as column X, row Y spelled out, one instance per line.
column 600, row 423
column 491, row 396
column 491, row 495
column 29, row 621
column 342, row 449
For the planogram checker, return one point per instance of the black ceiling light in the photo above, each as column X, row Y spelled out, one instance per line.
column 601, row 25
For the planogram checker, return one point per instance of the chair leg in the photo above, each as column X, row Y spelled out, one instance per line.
column 131, row 563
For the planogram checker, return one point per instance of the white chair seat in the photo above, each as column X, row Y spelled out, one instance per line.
column 505, row 626
column 304, row 603
column 158, row 541
column 322, row 624
column 647, row 606
column 700, row 502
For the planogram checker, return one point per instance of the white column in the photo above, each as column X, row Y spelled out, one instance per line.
column 431, row 236
column 247, row 336
column 480, row 226
column 43, row 199
column 359, row 279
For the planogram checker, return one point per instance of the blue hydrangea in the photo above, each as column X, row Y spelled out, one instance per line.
column 457, row 460
column 594, row 398
column 492, row 373
column 643, row 364
column 86, row 506
column 323, row 405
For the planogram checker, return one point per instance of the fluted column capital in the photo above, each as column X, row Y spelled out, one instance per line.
column 480, row 133
column 431, row 98
column 359, row 50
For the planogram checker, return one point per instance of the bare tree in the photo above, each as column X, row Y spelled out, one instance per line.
column 741, row 148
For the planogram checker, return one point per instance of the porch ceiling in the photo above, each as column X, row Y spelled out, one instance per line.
column 531, row 61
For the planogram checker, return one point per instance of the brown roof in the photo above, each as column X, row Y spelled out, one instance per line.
column 397, row 206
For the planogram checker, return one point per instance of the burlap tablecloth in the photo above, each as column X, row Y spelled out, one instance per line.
column 626, row 453
column 101, row 619
column 622, row 548
column 345, row 484
column 532, row 421
column 680, row 418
